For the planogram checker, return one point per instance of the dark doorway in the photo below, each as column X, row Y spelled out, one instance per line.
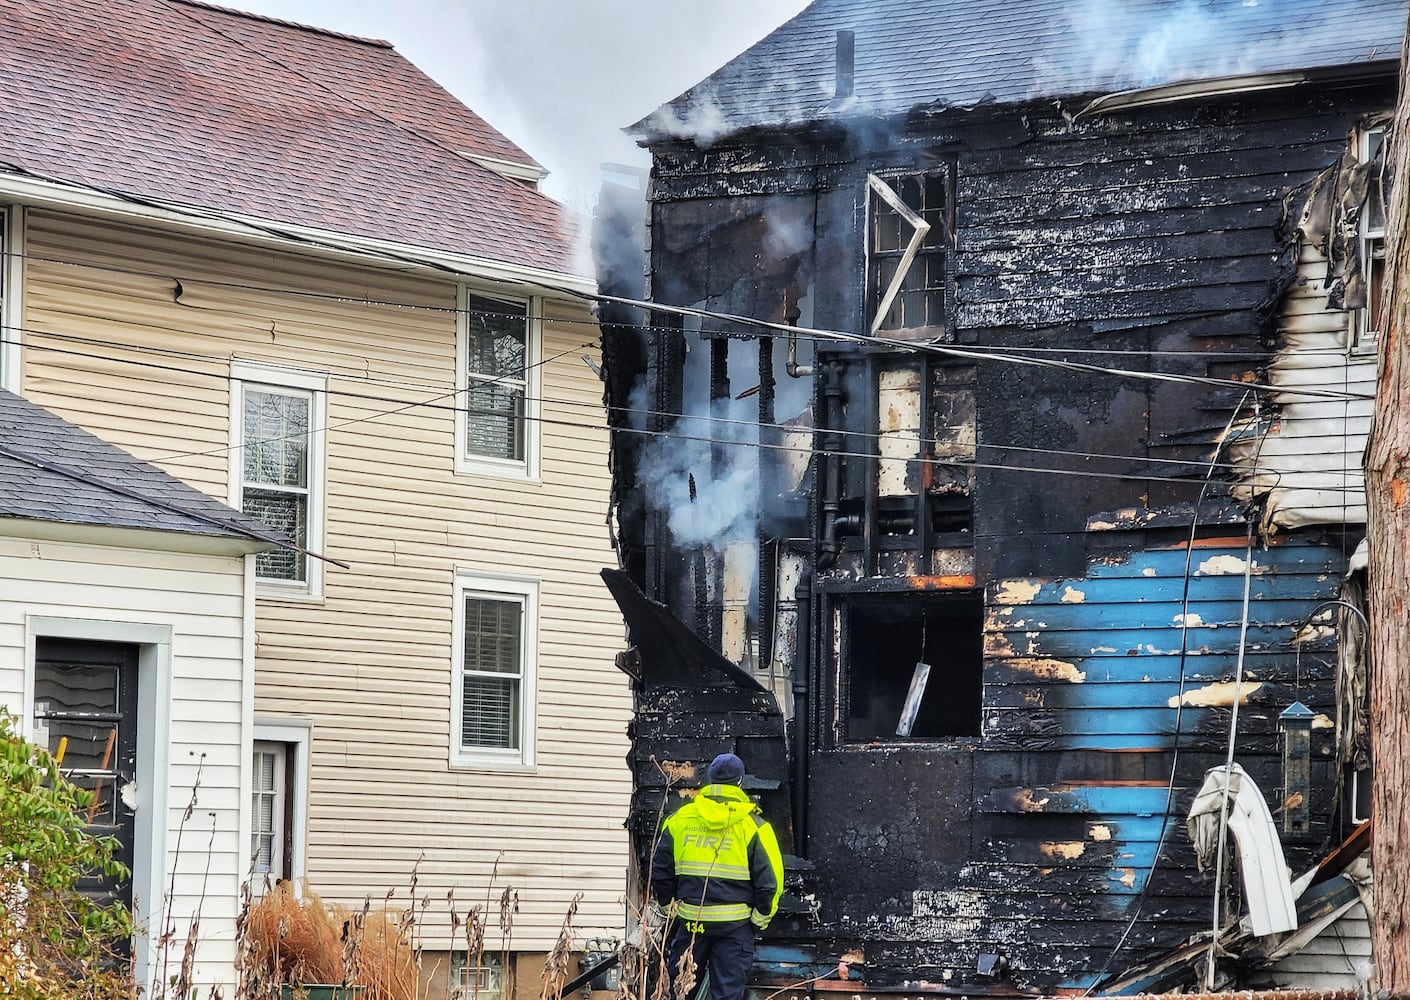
column 85, row 693
column 884, row 639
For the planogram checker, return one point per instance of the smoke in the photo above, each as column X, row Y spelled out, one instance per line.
column 702, row 121
column 1123, row 44
column 705, row 471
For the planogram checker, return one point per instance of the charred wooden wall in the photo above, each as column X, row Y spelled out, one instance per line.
column 1157, row 236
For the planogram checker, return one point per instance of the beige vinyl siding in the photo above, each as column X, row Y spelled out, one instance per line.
column 369, row 663
column 1337, row 959
column 200, row 600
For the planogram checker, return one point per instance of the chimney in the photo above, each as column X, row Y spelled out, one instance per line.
column 846, row 65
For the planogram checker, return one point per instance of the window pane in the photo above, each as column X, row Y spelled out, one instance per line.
column 284, row 512
column 276, row 438
column 498, row 338
column 493, row 645
column 495, row 421
column 492, row 630
column 264, row 772
column 490, row 716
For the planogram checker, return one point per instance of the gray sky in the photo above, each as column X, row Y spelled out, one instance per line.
column 559, row 77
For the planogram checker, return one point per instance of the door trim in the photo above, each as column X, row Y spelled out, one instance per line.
column 153, row 775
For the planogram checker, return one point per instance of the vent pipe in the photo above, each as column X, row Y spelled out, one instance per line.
column 846, row 65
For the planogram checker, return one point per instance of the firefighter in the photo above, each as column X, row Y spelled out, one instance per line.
column 718, row 860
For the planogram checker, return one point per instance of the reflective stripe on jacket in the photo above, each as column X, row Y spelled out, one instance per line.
column 718, row 860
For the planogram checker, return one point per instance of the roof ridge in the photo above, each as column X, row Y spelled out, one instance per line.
column 380, row 43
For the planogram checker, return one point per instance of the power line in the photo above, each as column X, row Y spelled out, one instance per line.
column 979, row 350
column 435, row 404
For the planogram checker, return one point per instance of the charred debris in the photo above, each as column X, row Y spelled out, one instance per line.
column 1038, row 492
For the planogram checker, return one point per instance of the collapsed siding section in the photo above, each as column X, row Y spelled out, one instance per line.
column 131, row 334
column 1307, row 458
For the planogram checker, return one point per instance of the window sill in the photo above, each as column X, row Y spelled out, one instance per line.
column 274, row 593
column 495, row 469
column 512, row 765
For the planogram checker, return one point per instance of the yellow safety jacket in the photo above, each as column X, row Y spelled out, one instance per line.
column 718, row 859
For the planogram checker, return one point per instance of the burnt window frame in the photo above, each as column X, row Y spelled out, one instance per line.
column 937, row 244
column 1370, row 241
column 837, row 605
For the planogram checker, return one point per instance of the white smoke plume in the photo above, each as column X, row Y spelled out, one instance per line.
column 705, row 471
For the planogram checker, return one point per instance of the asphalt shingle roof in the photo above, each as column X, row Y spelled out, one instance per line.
column 82, row 479
column 185, row 103
column 913, row 54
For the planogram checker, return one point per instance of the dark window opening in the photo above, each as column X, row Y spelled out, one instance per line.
column 885, row 638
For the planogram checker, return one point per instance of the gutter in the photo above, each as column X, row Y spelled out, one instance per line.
column 1232, row 86
column 24, row 189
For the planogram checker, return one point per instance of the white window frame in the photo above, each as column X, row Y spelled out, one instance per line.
column 483, row 465
column 525, row 591
column 11, row 294
column 279, row 793
column 294, row 735
column 1365, row 338
column 254, row 375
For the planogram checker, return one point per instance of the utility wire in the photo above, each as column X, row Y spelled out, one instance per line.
column 436, row 403
column 342, row 299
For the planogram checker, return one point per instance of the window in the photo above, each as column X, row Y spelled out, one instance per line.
column 1371, row 242
column 278, row 805
column 913, row 666
column 278, row 420
column 269, row 803
column 909, row 222
column 478, row 977
column 497, row 429
column 494, row 649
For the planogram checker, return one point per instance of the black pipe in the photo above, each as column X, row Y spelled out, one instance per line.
column 768, row 494
column 802, row 660
column 831, row 441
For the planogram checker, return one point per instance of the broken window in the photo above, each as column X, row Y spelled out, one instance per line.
column 912, row 666
column 909, row 222
column 1371, row 244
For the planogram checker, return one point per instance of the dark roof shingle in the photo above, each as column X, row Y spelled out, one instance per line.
column 199, row 106
column 967, row 53
column 51, row 470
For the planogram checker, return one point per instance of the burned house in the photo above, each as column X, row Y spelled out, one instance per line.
column 987, row 473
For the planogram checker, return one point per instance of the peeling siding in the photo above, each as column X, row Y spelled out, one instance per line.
column 1309, row 461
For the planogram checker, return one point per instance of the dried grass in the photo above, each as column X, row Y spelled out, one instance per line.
column 295, row 938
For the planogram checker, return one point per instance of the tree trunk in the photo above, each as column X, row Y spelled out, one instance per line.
column 1388, row 530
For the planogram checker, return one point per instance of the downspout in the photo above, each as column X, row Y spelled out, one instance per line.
column 830, row 443
column 802, row 665
column 768, row 490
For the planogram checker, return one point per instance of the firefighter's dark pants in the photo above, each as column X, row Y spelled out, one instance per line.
column 726, row 952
